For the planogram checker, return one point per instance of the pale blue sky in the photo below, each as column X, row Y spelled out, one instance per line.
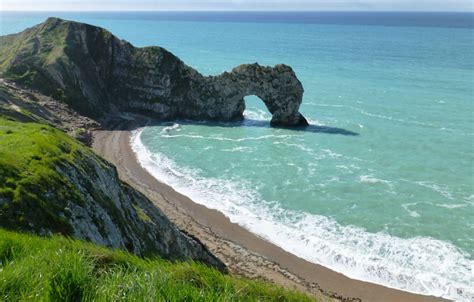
column 323, row 5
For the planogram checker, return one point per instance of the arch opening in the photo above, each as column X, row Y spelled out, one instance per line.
column 255, row 109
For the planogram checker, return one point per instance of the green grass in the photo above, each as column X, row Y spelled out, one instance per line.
column 25, row 56
column 30, row 156
column 25, row 45
column 143, row 216
column 61, row 269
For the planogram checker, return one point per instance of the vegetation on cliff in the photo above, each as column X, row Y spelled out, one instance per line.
column 51, row 183
column 61, row 269
column 29, row 153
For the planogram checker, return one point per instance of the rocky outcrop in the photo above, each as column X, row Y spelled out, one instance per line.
column 278, row 87
column 113, row 214
column 96, row 73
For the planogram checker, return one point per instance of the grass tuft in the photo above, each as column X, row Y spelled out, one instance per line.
column 62, row 269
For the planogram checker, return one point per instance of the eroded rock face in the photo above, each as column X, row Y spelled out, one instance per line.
column 278, row 87
column 113, row 214
column 97, row 73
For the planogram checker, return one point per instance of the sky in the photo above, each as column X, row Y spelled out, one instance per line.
column 316, row 5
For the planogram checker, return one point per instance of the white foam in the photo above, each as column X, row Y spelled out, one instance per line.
column 315, row 122
column 239, row 149
column 372, row 180
column 351, row 169
column 442, row 190
column 331, row 153
column 301, row 147
column 420, row 265
column 257, row 114
column 412, row 213
column 219, row 138
column 168, row 129
column 451, row 206
column 469, row 199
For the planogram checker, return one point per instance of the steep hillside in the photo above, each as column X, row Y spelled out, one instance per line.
column 50, row 183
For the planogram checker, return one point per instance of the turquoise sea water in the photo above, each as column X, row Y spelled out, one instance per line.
column 380, row 187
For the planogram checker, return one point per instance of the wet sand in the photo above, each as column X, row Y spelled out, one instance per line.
column 243, row 252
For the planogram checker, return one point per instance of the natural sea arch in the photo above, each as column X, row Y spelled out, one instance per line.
column 277, row 87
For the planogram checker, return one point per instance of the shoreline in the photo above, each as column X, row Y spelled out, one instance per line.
column 243, row 252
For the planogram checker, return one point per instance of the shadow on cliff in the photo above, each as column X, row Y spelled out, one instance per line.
column 141, row 121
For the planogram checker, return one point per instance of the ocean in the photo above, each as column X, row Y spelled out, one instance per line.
column 380, row 187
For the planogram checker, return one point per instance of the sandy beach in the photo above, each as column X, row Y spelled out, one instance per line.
column 243, row 252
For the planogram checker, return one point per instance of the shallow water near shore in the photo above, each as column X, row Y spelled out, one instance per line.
column 379, row 187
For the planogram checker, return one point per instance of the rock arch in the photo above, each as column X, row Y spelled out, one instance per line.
column 278, row 88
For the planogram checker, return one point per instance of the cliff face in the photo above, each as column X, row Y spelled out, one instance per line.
column 50, row 183
column 96, row 73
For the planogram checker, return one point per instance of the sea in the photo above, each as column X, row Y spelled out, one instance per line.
column 379, row 187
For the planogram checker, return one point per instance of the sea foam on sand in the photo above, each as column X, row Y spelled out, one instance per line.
column 419, row 265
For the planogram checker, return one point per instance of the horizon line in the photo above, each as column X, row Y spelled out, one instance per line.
column 238, row 10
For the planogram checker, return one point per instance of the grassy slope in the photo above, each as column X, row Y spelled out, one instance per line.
column 25, row 45
column 60, row 269
column 24, row 56
column 29, row 156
